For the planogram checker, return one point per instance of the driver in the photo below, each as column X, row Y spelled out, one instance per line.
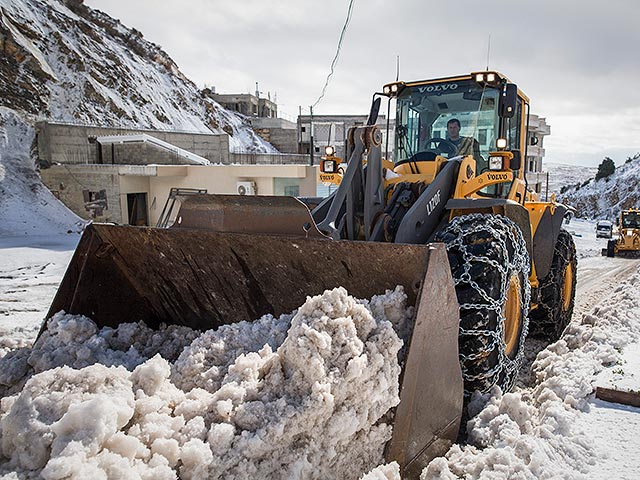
column 465, row 145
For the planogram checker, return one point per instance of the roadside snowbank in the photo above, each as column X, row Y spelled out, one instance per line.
column 539, row 432
column 301, row 396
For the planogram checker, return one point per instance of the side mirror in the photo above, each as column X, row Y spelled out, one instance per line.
column 516, row 162
column 508, row 99
column 534, row 140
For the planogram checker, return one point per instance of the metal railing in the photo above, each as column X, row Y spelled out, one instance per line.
column 243, row 158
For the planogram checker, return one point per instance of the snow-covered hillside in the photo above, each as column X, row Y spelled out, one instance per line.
column 604, row 198
column 63, row 61
column 562, row 175
column 27, row 207
column 66, row 62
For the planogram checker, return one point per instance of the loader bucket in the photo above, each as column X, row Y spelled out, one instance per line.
column 204, row 279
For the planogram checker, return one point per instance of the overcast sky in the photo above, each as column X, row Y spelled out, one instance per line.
column 578, row 61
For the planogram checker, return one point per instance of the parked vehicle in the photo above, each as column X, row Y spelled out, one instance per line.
column 604, row 229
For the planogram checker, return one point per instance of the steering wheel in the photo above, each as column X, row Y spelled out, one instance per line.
column 442, row 145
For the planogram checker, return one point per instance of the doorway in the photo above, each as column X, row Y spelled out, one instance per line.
column 137, row 208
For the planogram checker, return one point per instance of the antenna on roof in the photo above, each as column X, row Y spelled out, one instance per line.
column 488, row 51
column 397, row 67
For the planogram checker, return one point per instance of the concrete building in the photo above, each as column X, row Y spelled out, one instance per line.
column 279, row 132
column 76, row 144
column 246, row 104
column 130, row 182
column 536, row 176
column 136, row 194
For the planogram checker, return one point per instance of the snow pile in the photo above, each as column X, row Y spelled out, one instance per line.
column 300, row 396
column 27, row 207
column 534, row 433
column 75, row 341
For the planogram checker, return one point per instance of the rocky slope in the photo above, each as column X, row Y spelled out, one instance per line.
column 62, row 60
column 604, row 198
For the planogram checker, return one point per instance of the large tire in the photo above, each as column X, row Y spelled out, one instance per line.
column 490, row 268
column 611, row 248
column 557, row 291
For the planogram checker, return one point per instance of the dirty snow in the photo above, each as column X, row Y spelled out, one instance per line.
column 281, row 396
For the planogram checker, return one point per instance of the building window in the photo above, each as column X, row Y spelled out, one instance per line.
column 95, row 202
column 303, row 129
column 289, row 187
column 292, row 190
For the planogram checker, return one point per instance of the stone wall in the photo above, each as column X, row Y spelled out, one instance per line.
column 285, row 140
column 75, row 144
column 68, row 182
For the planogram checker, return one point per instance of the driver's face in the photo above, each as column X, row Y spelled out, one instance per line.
column 453, row 130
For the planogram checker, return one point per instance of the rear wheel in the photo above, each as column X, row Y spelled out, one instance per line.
column 490, row 268
column 611, row 248
column 557, row 291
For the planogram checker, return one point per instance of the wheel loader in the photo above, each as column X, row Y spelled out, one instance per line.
column 627, row 243
column 448, row 217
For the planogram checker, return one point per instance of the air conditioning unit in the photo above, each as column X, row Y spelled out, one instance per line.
column 246, row 188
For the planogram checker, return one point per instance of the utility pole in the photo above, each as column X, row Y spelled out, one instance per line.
column 546, row 195
column 311, row 135
column 300, row 129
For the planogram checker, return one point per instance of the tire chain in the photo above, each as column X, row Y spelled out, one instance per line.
column 520, row 263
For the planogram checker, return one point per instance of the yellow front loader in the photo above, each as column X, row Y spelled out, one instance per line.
column 627, row 243
column 450, row 218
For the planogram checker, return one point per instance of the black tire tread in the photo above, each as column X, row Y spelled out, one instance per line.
column 549, row 319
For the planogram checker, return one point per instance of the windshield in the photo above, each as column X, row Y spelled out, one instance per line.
column 454, row 118
column 631, row 220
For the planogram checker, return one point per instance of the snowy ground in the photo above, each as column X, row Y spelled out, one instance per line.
column 549, row 427
column 30, row 271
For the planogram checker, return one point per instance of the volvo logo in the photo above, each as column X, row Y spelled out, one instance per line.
column 498, row 177
column 438, row 88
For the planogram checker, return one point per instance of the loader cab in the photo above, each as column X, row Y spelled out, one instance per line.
column 489, row 110
column 630, row 219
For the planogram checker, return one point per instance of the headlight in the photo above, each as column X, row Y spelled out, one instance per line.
column 329, row 151
column 329, row 166
column 480, row 77
column 501, row 143
column 491, row 77
column 495, row 163
column 393, row 89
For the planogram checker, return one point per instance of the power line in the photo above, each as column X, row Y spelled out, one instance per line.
column 335, row 59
